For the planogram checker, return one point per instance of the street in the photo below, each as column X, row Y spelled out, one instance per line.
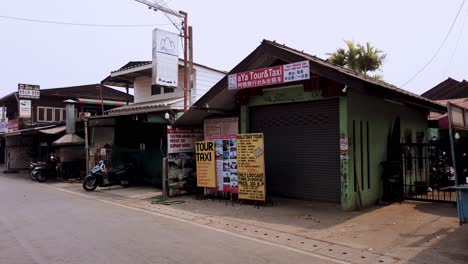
column 40, row 224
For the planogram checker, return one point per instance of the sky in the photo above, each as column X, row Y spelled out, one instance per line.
column 225, row 32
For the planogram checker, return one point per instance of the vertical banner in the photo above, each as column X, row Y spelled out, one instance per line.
column 251, row 167
column 165, row 58
column 181, row 158
column 24, row 108
column 206, row 165
column 224, row 132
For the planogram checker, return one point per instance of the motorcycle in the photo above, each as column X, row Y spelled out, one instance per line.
column 100, row 176
column 41, row 171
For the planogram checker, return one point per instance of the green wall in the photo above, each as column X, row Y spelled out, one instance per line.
column 380, row 115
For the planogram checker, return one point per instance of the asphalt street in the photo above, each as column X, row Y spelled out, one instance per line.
column 40, row 224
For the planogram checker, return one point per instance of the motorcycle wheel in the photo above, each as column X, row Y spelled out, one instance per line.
column 32, row 177
column 41, row 177
column 90, row 185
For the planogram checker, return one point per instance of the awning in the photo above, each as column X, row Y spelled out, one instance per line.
column 27, row 131
column 98, row 102
column 69, row 139
column 53, row 131
column 148, row 107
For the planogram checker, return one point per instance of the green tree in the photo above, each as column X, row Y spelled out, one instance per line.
column 364, row 59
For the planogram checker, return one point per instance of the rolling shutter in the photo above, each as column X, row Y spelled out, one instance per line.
column 301, row 148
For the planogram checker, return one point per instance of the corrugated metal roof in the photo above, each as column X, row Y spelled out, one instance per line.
column 146, row 107
column 136, row 64
column 55, row 130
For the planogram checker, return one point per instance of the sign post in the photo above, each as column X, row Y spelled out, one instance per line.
column 251, row 167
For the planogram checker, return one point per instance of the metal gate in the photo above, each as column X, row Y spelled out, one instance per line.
column 427, row 174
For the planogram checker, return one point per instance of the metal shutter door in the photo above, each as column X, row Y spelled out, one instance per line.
column 301, row 149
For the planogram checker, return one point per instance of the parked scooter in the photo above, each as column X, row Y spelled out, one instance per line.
column 100, row 176
column 41, row 171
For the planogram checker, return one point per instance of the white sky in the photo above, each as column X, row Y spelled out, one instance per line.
column 225, row 32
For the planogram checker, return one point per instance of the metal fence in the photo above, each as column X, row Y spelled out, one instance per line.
column 427, row 174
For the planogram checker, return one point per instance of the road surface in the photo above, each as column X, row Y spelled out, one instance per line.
column 40, row 224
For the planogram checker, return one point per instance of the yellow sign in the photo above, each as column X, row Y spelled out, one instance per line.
column 206, row 164
column 251, row 166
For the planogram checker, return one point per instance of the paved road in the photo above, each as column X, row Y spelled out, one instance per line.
column 39, row 224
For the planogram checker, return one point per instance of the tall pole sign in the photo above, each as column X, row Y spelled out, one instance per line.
column 182, row 15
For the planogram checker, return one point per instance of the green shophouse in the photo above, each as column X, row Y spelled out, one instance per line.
column 326, row 136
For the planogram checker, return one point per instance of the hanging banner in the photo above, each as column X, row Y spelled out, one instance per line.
column 223, row 131
column 251, row 167
column 24, row 108
column 205, row 158
column 292, row 72
column 165, row 58
column 181, row 159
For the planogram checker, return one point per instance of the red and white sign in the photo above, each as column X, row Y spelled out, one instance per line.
column 297, row 71
column 13, row 125
column 183, row 139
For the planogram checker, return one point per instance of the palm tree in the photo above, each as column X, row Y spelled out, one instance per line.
column 358, row 57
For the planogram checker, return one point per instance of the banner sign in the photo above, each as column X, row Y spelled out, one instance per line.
column 28, row 91
column 226, row 163
column 25, row 108
column 3, row 126
column 205, row 157
column 13, row 125
column 251, row 167
column 269, row 76
column 165, row 58
column 182, row 139
column 223, row 131
column 181, row 158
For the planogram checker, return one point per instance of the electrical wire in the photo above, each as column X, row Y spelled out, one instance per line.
column 456, row 45
column 76, row 24
column 438, row 50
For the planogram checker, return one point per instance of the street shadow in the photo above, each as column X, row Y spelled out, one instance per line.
column 440, row 209
column 449, row 245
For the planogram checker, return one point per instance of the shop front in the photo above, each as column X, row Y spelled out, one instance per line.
column 326, row 128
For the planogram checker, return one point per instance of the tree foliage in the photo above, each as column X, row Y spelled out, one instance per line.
column 358, row 57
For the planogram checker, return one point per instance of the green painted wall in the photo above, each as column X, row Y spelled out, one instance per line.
column 380, row 115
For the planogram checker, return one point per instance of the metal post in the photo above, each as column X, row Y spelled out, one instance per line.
column 126, row 89
column 164, row 178
column 190, row 80
column 102, row 101
column 86, row 144
column 454, row 162
column 185, row 58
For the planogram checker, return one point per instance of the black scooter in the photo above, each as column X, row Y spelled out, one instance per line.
column 41, row 171
column 121, row 175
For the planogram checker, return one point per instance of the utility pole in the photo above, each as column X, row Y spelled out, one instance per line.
column 183, row 15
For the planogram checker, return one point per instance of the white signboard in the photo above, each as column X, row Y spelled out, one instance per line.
column 165, row 58
column 25, row 108
column 29, row 91
column 2, row 112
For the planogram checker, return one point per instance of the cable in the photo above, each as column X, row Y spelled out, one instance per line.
column 438, row 50
column 76, row 24
column 456, row 45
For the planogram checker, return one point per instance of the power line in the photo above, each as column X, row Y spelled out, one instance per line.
column 438, row 50
column 456, row 45
column 77, row 24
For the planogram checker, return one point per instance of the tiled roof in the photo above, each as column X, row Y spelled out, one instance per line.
column 439, row 88
column 348, row 71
